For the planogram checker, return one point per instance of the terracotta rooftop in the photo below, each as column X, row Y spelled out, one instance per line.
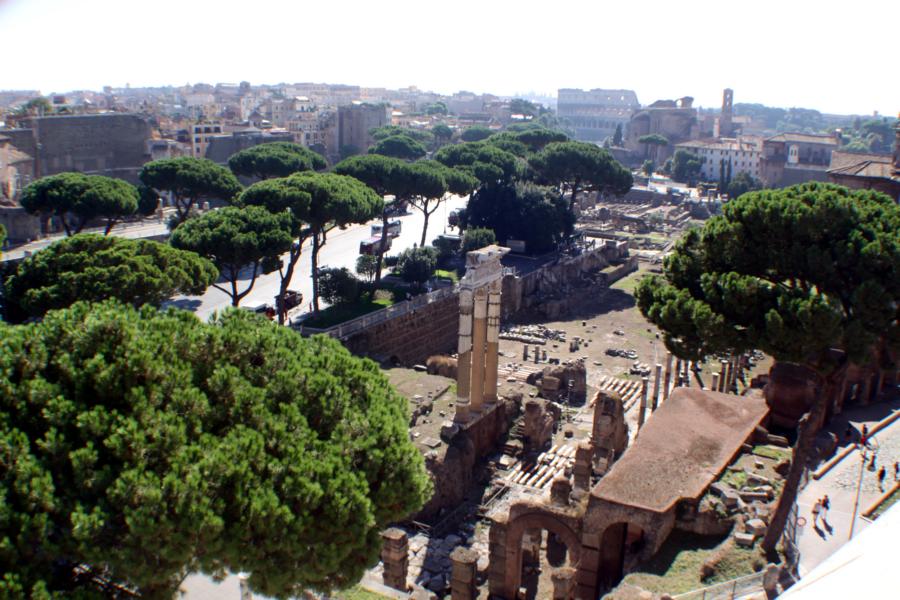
column 841, row 159
column 682, row 448
column 806, row 138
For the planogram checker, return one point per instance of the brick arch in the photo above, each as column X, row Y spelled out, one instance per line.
column 516, row 530
column 613, row 551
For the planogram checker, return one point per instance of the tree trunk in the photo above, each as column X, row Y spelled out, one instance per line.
column 381, row 247
column 809, row 426
column 293, row 258
column 426, row 214
column 235, row 299
column 315, row 272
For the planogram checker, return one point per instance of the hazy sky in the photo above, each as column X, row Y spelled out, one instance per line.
column 838, row 57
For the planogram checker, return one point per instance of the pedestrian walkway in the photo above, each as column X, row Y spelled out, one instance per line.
column 840, row 484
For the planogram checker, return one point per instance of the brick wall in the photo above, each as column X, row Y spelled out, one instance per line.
column 413, row 337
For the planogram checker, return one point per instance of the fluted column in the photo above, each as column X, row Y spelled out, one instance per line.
column 479, row 339
column 464, row 362
column 492, row 349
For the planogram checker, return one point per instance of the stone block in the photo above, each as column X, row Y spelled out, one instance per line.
column 757, row 479
column 756, row 527
column 744, row 539
column 754, row 496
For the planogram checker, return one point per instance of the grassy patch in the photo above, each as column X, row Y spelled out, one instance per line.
column 676, row 568
column 357, row 592
column 736, row 479
column 340, row 313
column 772, row 452
column 445, row 274
column 628, row 283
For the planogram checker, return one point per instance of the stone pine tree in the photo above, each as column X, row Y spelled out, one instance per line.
column 140, row 446
column 275, row 159
column 580, row 167
column 487, row 163
column 399, row 146
column 281, row 196
column 190, row 181
column 335, row 201
column 92, row 268
column 798, row 273
column 77, row 199
column 388, row 177
column 241, row 242
column 430, row 182
column 655, row 141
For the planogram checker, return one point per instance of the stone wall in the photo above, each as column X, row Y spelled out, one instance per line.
column 105, row 144
column 411, row 338
column 550, row 291
column 454, row 472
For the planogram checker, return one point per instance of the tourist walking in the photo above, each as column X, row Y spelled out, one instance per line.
column 882, row 473
column 896, row 471
column 816, row 509
column 826, row 504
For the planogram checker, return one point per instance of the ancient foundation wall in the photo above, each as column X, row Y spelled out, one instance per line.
column 454, row 472
column 413, row 337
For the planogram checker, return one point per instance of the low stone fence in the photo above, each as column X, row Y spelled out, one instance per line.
column 343, row 331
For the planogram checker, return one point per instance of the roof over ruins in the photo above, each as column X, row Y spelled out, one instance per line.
column 682, row 448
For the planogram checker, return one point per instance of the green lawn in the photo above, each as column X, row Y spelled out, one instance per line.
column 451, row 275
column 357, row 592
column 340, row 313
column 629, row 282
column 675, row 569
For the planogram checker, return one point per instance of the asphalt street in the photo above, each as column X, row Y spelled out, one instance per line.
column 340, row 250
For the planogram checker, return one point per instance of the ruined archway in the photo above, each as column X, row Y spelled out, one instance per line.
column 619, row 542
column 507, row 552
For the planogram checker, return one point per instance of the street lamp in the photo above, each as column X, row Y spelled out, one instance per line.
column 864, row 455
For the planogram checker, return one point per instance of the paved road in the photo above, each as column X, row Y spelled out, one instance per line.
column 341, row 250
column 840, row 483
column 148, row 228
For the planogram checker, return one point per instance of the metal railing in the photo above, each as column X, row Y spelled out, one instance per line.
column 346, row 329
column 727, row 590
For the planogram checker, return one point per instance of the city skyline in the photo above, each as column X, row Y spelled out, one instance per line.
column 779, row 54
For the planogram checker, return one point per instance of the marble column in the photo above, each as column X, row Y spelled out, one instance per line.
column 479, row 339
column 464, row 362
column 493, row 343
column 645, row 386
column 723, row 368
column 668, row 380
column 656, row 383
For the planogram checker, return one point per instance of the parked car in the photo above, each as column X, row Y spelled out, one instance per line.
column 292, row 299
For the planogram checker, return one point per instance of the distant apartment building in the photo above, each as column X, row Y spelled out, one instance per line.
column 355, row 121
column 221, row 147
column 742, row 154
column 16, row 171
column 595, row 114
column 201, row 134
column 791, row 158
